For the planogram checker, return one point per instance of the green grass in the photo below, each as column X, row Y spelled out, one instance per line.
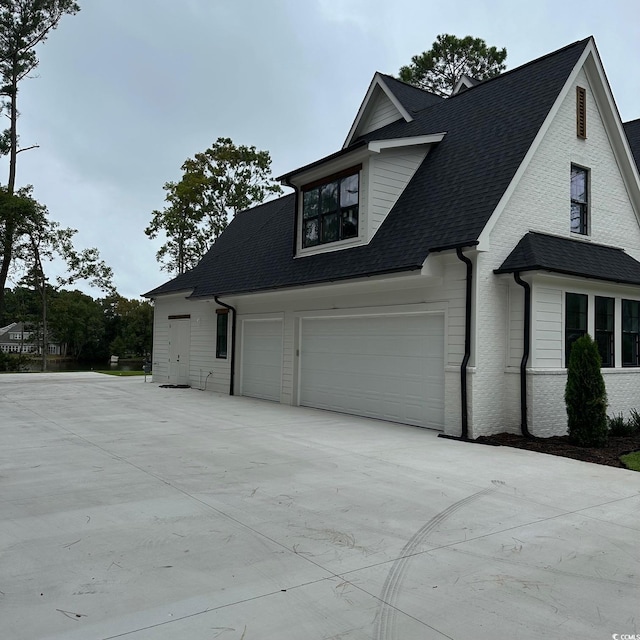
column 631, row 460
column 122, row 373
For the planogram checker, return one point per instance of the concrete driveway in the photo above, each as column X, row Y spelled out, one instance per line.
column 130, row 511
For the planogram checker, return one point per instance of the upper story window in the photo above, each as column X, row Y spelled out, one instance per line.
column 330, row 209
column 579, row 199
column 24, row 335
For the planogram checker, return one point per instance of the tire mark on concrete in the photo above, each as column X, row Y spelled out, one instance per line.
column 388, row 610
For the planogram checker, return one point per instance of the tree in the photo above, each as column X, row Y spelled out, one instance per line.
column 133, row 322
column 21, row 305
column 77, row 322
column 23, row 25
column 585, row 395
column 216, row 184
column 183, row 224
column 40, row 241
column 439, row 69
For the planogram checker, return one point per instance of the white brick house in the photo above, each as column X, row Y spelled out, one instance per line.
column 437, row 268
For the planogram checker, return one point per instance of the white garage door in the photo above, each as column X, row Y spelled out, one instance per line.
column 262, row 359
column 389, row 367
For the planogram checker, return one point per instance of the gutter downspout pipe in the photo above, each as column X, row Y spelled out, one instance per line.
column 467, row 346
column 233, row 342
column 526, row 350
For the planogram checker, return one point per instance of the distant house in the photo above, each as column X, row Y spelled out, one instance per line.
column 437, row 269
column 17, row 338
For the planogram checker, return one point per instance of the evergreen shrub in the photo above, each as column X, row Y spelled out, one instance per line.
column 586, row 396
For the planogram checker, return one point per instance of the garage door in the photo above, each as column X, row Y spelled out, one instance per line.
column 262, row 359
column 389, row 367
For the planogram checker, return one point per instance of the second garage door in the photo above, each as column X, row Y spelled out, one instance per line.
column 389, row 367
column 262, row 359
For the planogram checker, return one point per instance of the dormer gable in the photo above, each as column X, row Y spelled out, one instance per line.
column 343, row 199
column 379, row 108
column 465, row 82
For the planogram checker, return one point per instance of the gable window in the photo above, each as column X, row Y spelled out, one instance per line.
column 222, row 331
column 330, row 209
column 605, row 335
column 631, row 333
column 581, row 112
column 575, row 321
column 579, row 199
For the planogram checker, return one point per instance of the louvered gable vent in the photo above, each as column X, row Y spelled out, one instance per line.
column 581, row 112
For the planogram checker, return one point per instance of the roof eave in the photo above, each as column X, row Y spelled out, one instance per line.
column 286, row 178
column 154, row 293
column 319, row 281
column 566, row 272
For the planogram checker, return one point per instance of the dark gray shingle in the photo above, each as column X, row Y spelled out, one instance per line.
column 632, row 129
column 447, row 203
column 541, row 252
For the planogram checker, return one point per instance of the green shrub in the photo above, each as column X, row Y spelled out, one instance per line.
column 586, row 396
column 619, row 427
column 13, row 362
column 635, row 420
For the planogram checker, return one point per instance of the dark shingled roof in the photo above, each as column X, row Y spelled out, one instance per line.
column 489, row 130
column 411, row 98
column 632, row 129
column 541, row 252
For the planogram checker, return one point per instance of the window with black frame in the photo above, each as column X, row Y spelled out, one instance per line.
column 605, row 330
column 330, row 210
column 575, row 320
column 631, row 333
column 579, row 200
column 222, row 330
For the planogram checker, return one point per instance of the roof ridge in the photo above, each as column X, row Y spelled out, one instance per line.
column 407, row 84
column 586, row 242
column 504, row 73
column 526, row 64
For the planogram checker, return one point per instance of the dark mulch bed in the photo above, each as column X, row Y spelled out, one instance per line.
column 560, row 446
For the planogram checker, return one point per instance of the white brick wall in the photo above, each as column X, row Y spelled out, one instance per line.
column 489, row 391
column 623, row 391
column 547, row 412
column 516, row 326
column 541, row 203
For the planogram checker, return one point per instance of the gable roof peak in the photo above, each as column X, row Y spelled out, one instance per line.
column 465, row 82
column 406, row 99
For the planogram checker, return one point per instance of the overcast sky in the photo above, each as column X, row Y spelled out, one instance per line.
column 126, row 90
